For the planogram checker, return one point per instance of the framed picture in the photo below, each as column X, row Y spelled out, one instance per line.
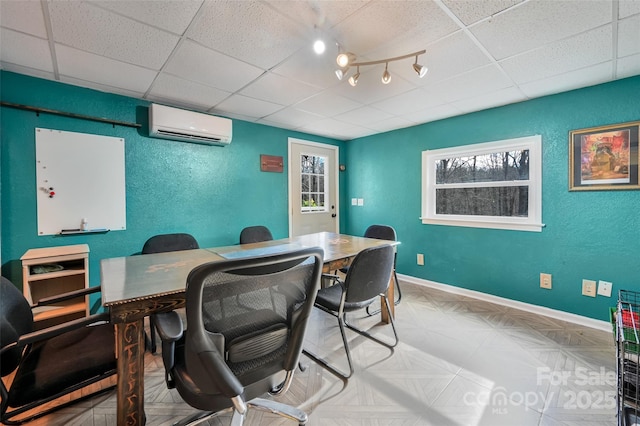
column 604, row 158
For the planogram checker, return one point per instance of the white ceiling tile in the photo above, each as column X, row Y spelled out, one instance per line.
column 23, row 16
column 629, row 36
column 197, row 63
column 408, row 102
column 101, row 87
column 628, row 8
column 293, row 117
column 322, row 15
column 307, row 67
column 396, row 19
column 471, row 11
column 274, row 88
column 448, row 57
column 89, row 28
column 628, row 67
column 472, row 84
column 433, row 114
column 170, row 15
column 327, row 104
column 86, row 66
column 244, row 105
column 335, row 128
column 571, row 80
column 494, row 99
column 363, row 116
column 262, row 37
column 25, row 50
column 175, row 89
column 536, row 23
column 578, row 52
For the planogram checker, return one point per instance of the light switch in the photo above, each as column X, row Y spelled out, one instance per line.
column 361, row 201
column 354, row 201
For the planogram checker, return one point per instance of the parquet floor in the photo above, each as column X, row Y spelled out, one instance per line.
column 460, row 361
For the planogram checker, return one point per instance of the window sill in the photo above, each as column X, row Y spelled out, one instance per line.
column 511, row 226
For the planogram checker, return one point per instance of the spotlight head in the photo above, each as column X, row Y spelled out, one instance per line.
column 353, row 80
column 340, row 73
column 421, row 70
column 344, row 59
column 386, row 76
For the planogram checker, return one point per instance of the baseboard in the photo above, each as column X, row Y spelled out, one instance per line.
column 540, row 310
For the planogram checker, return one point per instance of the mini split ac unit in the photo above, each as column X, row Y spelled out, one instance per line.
column 182, row 125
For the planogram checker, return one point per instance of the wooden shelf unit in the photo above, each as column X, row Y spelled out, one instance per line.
column 74, row 276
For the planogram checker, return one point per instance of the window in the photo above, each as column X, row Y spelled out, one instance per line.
column 489, row 185
column 313, row 178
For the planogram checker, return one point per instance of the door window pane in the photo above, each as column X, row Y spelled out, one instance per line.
column 313, row 180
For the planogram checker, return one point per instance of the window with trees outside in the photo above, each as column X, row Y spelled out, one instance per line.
column 313, row 189
column 488, row 185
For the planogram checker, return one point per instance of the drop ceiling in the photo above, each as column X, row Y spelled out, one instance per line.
column 253, row 60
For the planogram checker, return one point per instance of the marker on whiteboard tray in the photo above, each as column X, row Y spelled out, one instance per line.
column 85, row 224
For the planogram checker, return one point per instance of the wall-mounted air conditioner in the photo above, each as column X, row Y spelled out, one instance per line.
column 182, row 125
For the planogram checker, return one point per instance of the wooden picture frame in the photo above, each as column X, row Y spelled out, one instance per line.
column 604, row 158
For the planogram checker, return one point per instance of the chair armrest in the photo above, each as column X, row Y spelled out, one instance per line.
column 49, row 332
column 220, row 374
column 66, row 296
column 169, row 326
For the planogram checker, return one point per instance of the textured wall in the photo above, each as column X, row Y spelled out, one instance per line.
column 210, row 192
column 593, row 235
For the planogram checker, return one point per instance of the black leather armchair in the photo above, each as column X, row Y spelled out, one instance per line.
column 52, row 362
column 246, row 324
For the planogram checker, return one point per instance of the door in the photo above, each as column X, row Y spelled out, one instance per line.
column 313, row 188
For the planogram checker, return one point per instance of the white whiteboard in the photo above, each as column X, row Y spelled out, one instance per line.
column 86, row 175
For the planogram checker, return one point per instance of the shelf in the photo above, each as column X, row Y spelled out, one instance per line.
column 56, row 274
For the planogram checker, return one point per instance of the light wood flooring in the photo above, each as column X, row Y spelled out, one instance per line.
column 460, row 361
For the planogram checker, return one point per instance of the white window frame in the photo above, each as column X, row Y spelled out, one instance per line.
column 318, row 209
column 533, row 222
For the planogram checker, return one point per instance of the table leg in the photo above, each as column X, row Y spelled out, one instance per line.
column 384, row 317
column 130, row 353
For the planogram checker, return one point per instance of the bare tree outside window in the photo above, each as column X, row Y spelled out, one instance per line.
column 313, row 188
column 487, row 185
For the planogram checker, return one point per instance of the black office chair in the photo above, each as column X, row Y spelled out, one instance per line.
column 246, row 320
column 51, row 362
column 161, row 244
column 367, row 279
column 383, row 232
column 255, row 234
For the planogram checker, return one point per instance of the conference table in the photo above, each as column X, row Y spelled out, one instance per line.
column 134, row 287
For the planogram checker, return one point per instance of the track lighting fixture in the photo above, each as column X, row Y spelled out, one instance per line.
column 345, row 60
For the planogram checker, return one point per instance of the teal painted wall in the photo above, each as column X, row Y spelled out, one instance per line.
column 593, row 235
column 209, row 192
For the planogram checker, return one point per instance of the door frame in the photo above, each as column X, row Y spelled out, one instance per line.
column 334, row 179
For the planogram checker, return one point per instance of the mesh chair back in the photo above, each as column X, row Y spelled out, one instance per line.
column 16, row 319
column 255, row 234
column 381, row 232
column 169, row 242
column 252, row 311
column 369, row 274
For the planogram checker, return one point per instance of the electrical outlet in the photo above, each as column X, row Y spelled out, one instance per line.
column 604, row 288
column 420, row 259
column 360, row 201
column 589, row 288
column 354, row 201
column 545, row 281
